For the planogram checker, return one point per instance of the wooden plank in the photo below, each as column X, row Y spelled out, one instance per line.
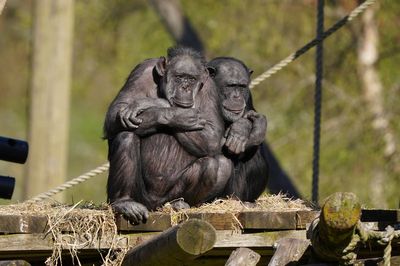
column 268, row 220
column 305, row 217
column 16, row 224
column 220, row 221
column 24, row 246
column 228, row 221
column 288, row 251
column 227, row 239
column 157, row 222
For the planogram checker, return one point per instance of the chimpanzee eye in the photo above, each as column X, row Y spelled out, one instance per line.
column 178, row 78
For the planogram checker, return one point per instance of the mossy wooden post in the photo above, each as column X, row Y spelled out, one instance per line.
column 176, row 245
column 338, row 219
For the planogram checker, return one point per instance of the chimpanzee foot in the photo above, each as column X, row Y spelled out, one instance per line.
column 179, row 204
column 133, row 211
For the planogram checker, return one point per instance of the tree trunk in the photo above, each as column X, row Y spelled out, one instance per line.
column 2, row 4
column 49, row 95
column 372, row 92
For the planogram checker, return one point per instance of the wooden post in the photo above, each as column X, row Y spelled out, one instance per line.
column 338, row 220
column 176, row 245
column 288, row 251
column 243, row 257
column 49, row 95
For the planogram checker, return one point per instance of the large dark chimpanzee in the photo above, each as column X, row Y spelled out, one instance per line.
column 176, row 150
column 246, row 129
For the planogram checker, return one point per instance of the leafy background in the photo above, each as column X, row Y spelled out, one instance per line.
column 111, row 37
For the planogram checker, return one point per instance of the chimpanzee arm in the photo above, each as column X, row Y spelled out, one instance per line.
column 245, row 134
column 128, row 115
column 140, row 84
column 206, row 141
column 174, row 118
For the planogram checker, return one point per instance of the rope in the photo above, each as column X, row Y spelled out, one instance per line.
column 254, row 83
column 82, row 178
column 318, row 99
column 362, row 235
column 353, row 14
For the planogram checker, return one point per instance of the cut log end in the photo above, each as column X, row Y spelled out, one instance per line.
column 196, row 236
column 341, row 211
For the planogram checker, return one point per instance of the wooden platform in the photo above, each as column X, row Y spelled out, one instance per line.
column 27, row 237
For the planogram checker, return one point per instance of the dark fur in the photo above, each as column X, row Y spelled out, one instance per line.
column 174, row 152
column 250, row 174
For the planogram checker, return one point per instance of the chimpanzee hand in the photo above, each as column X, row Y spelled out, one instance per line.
column 186, row 119
column 131, row 210
column 253, row 116
column 237, row 135
column 128, row 116
column 259, row 128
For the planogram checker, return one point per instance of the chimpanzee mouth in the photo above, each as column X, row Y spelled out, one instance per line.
column 235, row 111
column 182, row 104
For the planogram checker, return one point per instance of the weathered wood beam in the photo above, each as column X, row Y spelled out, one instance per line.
column 227, row 239
column 288, row 251
column 224, row 239
column 243, row 257
column 15, row 224
column 11, row 224
column 338, row 219
column 181, row 243
column 263, row 220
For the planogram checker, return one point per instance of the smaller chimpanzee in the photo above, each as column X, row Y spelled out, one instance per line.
column 245, row 129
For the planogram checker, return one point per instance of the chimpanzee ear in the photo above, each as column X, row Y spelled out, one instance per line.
column 250, row 72
column 211, row 71
column 161, row 66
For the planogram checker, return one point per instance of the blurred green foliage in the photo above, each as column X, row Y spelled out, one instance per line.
column 111, row 37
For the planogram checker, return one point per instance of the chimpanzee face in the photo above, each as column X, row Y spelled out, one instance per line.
column 184, row 76
column 232, row 80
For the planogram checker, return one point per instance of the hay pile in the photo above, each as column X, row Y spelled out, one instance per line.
column 266, row 202
column 82, row 225
column 75, row 227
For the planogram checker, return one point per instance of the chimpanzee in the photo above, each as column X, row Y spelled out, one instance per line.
column 176, row 150
column 245, row 132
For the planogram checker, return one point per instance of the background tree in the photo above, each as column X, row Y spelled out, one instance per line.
column 372, row 89
column 49, row 95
